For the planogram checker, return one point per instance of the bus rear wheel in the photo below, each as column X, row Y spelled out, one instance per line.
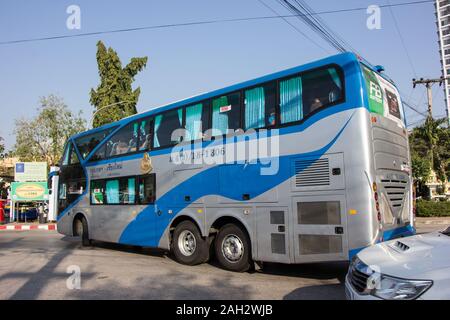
column 232, row 247
column 188, row 245
column 81, row 230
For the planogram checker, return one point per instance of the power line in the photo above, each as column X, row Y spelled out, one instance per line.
column 402, row 40
column 292, row 25
column 173, row 25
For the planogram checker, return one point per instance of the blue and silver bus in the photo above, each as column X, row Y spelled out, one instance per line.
column 308, row 164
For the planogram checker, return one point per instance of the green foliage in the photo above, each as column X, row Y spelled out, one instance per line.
column 433, row 208
column 43, row 137
column 421, row 168
column 115, row 86
column 430, row 145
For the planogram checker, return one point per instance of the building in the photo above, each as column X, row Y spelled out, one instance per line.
column 443, row 26
column 437, row 189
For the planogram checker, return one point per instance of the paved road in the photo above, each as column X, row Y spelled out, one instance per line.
column 34, row 265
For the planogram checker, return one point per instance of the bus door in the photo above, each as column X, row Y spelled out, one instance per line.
column 272, row 234
column 319, row 228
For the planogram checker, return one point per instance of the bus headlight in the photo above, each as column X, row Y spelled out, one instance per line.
column 391, row 288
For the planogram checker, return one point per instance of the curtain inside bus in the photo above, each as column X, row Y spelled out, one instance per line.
column 254, row 108
column 112, row 191
column 335, row 95
column 194, row 122
column 131, row 190
column 157, row 124
column 291, row 106
column 219, row 119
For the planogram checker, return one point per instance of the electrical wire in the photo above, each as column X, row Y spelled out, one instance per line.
column 293, row 26
column 206, row 22
column 402, row 40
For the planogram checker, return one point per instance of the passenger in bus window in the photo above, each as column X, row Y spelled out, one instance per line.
column 316, row 104
column 271, row 119
column 147, row 143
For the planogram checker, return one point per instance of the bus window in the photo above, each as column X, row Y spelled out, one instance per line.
column 65, row 159
column 291, row 106
column 321, row 88
column 259, row 107
column 87, row 143
column 145, row 136
column 73, row 157
column 226, row 114
column 147, row 189
column 165, row 125
column 120, row 191
column 124, row 141
column 196, row 121
column 97, row 192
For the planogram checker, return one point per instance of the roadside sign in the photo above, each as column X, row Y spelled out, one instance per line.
column 30, row 171
column 29, row 191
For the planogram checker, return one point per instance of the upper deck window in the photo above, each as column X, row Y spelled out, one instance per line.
column 226, row 112
column 312, row 90
column 260, row 106
column 87, row 143
column 134, row 137
column 124, row 141
column 196, row 121
column 165, row 125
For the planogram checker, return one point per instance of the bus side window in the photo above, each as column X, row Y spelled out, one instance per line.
column 124, row 141
column 226, row 112
column 291, row 106
column 97, row 192
column 147, row 189
column 197, row 118
column 145, row 135
column 165, row 125
column 321, row 88
column 259, row 104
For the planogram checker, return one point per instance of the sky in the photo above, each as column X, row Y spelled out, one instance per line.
column 188, row 60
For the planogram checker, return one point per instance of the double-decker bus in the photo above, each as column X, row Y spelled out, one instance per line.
column 304, row 165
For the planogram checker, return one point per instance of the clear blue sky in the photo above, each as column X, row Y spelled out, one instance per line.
column 189, row 60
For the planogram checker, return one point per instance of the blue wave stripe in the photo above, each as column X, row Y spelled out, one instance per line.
column 205, row 183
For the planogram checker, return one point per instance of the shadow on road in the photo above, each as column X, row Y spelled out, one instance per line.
column 318, row 292
column 319, row 271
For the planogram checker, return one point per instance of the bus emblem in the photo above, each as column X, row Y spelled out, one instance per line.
column 146, row 164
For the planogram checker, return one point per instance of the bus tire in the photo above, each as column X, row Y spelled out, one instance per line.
column 233, row 249
column 188, row 245
column 81, row 229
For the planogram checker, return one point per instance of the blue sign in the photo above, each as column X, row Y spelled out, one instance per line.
column 20, row 167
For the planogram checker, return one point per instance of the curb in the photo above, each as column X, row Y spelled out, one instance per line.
column 433, row 222
column 26, row 227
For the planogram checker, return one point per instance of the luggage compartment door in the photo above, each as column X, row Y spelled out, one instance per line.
column 272, row 234
column 319, row 228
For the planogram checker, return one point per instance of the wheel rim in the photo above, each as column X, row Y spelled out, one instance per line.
column 187, row 243
column 232, row 248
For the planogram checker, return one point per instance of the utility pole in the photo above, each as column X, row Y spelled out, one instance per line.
column 428, row 83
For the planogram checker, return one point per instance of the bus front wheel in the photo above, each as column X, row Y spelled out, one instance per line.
column 81, row 230
column 232, row 247
column 188, row 245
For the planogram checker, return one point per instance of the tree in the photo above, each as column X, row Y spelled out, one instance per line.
column 115, row 87
column 430, row 150
column 43, row 138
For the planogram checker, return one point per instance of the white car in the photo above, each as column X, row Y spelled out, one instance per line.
column 416, row 267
